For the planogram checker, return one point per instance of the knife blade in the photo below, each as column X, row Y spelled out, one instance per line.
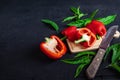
column 93, row 67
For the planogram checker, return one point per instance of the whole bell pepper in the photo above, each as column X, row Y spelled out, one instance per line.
column 53, row 47
column 70, row 33
column 85, row 37
column 97, row 27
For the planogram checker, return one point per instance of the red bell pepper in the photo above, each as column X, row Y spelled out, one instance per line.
column 54, row 48
column 97, row 27
column 70, row 33
column 85, row 37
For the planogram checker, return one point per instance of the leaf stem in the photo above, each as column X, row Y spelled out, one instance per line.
column 63, row 38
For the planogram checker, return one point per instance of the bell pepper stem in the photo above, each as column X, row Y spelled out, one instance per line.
column 84, row 37
column 98, row 37
column 47, row 39
column 63, row 38
column 80, row 40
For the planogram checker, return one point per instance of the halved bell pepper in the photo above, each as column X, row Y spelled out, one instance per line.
column 97, row 28
column 85, row 37
column 54, row 48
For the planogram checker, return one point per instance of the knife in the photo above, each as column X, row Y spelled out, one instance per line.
column 93, row 67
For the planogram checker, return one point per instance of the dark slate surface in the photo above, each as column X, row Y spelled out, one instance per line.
column 21, row 31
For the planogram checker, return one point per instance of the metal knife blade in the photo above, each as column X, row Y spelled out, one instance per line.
column 93, row 67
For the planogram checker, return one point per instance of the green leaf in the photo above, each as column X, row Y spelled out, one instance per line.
column 85, row 53
column 86, row 21
column 78, row 23
column 52, row 23
column 79, row 69
column 107, row 20
column 116, row 52
column 81, row 60
column 77, row 14
column 93, row 14
column 81, row 15
column 74, row 10
column 115, row 66
column 78, row 10
column 69, row 18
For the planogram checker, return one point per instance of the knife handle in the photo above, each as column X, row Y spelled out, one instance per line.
column 93, row 67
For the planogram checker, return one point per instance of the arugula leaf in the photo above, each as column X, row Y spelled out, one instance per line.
column 93, row 14
column 52, row 23
column 74, row 10
column 87, row 20
column 80, row 23
column 69, row 18
column 77, row 12
column 107, row 20
column 81, row 15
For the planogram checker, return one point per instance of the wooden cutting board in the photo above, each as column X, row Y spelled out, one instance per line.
column 75, row 48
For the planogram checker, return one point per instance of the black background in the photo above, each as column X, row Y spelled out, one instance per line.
column 21, row 31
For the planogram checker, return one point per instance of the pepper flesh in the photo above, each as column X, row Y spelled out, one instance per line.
column 70, row 33
column 90, row 37
column 97, row 27
column 54, row 48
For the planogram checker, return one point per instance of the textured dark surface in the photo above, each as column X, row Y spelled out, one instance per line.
column 21, row 31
